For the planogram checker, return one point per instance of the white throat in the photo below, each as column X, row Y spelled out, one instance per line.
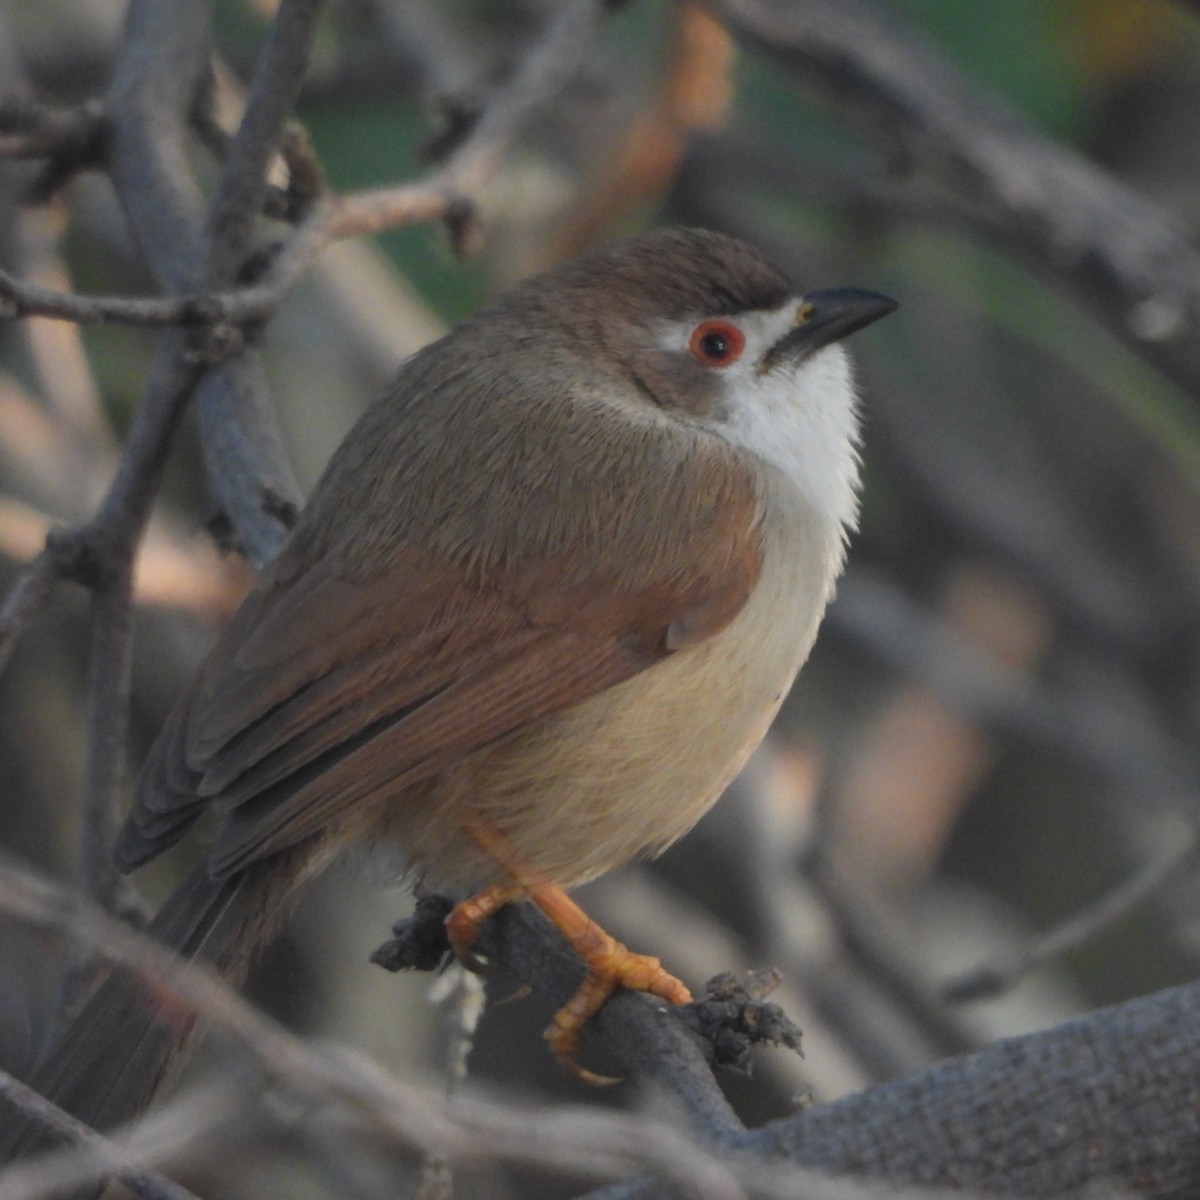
column 800, row 418
column 803, row 420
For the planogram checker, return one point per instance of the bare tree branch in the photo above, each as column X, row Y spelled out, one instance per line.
column 164, row 65
column 240, row 193
column 991, row 979
column 104, row 1156
column 106, row 779
column 29, row 596
column 245, row 304
column 1107, row 1100
column 597, row 1144
column 70, row 139
column 1119, row 255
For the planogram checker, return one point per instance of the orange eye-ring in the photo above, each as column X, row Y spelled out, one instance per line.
column 717, row 343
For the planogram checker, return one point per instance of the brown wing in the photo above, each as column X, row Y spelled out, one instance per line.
column 327, row 691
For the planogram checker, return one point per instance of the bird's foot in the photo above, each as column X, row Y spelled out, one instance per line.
column 465, row 919
column 610, row 966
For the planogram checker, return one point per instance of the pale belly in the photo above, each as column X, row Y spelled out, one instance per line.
column 631, row 770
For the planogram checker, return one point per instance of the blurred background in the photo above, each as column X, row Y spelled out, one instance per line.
column 999, row 724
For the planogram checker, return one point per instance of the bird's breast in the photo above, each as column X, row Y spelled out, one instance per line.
column 630, row 770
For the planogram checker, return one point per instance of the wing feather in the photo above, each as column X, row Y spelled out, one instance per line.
column 356, row 670
column 501, row 697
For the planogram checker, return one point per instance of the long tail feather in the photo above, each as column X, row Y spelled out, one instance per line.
column 114, row 1055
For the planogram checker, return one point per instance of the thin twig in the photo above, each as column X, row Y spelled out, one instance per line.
column 864, row 934
column 995, row 978
column 1119, row 255
column 97, row 1156
column 584, row 1142
column 463, row 997
column 447, row 194
column 122, row 517
column 23, row 299
column 598, row 1144
column 101, row 555
column 109, row 679
column 234, row 454
column 244, row 457
column 454, row 192
column 239, row 196
column 28, row 597
column 104, row 551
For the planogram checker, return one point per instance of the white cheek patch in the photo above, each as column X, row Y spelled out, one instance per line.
column 800, row 417
column 803, row 419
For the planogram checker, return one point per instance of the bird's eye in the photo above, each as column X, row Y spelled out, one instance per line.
column 717, row 343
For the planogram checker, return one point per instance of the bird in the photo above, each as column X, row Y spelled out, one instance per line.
column 541, row 606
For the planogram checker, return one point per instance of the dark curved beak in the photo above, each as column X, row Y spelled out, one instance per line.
column 826, row 317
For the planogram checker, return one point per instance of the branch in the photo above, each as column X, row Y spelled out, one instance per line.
column 51, row 1175
column 254, row 495
column 454, row 193
column 994, row 978
column 451, row 193
column 243, row 451
column 110, row 668
column 1108, row 1100
column 596, row 1144
column 150, row 120
column 105, row 545
column 243, row 185
column 101, row 555
column 1117, row 254
column 654, row 1047
column 215, row 308
column 163, row 67
column 29, row 596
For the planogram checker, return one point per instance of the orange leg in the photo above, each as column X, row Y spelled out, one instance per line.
column 610, row 965
column 462, row 925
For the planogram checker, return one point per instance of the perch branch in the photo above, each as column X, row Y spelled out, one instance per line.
column 597, row 1144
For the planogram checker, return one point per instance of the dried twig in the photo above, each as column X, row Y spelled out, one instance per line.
column 454, row 193
column 239, row 196
column 97, row 1156
column 231, row 307
column 1119, row 255
column 994, row 978
column 468, row 1131
column 29, row 596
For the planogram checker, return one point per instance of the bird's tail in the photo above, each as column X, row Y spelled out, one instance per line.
column 113, row 1056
